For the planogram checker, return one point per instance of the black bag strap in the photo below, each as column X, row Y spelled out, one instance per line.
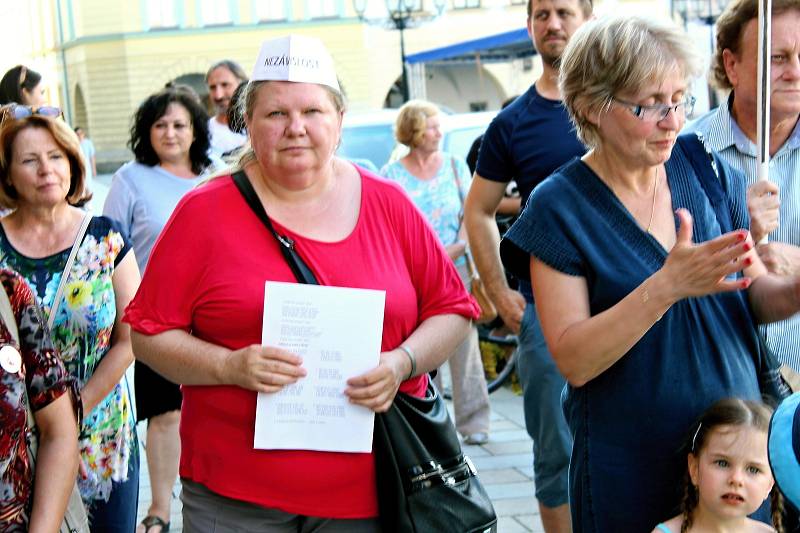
column 301, row 271
column 772, row 386
column 706, row 169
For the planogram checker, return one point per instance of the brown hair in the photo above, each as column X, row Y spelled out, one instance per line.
column 730, row 27
column 734, row 412
column 586, row 6
column 64, row 137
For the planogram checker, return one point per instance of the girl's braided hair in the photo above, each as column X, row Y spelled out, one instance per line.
column 727, row 412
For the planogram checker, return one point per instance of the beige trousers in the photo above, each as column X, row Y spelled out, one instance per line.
column 470, row 395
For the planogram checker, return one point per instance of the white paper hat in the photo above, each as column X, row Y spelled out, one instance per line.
column 297, row 58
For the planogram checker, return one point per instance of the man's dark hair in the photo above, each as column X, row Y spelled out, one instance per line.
column 586, row 5
column 152, row 109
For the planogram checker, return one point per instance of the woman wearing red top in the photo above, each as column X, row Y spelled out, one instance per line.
column 197, row 317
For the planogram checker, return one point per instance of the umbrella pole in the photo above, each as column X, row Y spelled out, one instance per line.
column 763, row 88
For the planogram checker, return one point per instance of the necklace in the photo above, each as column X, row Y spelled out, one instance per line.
column 653, row 206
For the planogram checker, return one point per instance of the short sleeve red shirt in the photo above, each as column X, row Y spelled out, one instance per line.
column 206, row 276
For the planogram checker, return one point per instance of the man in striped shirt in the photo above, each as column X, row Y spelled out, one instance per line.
column 731, row 131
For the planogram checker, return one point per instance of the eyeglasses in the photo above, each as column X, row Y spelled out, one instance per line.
column 21, row 111
column 658, row 112
column 17, row 111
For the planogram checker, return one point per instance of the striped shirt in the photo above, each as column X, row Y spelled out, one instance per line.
column 724, row 136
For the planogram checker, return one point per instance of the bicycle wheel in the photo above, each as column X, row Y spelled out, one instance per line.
column 505, row 370
column 501, row 350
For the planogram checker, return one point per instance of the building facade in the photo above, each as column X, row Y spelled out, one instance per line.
column 101, row 58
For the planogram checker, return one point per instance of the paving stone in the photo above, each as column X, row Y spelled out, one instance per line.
column 495, row 416
column 526, row 471
column 503, row 448
column 475, row 450
column 507, row 524
column 531, row 521
column 504, row 424
column 504, row 475
column 503, row 491
column 495, row 462
column 515, row 506
column 508, row 436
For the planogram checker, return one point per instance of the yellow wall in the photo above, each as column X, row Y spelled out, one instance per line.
column 116, row 65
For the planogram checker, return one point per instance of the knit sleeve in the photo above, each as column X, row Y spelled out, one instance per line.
column 547, row 226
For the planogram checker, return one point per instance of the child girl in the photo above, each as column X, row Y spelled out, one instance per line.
column 728, row 474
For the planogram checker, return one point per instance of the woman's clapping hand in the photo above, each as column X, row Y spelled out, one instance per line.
column 262, row 368
column 700, row 269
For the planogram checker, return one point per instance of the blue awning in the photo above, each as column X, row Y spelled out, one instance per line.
column 494, row 48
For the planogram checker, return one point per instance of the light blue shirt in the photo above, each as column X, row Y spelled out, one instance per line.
column 438, row 198
column 723, row 135
column 141, row 199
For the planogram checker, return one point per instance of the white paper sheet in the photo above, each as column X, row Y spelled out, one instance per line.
column 337, row 331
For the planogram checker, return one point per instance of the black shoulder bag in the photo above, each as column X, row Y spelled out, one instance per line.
column 425, row 482
column 772, row 385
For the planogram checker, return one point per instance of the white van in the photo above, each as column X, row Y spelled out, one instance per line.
column 368, row 138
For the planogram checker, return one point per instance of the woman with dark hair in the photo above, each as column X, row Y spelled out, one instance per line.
column 22, row 85
column 83, row 273
column 169, row 138
column 31, row 373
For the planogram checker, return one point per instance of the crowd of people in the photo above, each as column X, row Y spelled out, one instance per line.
column 647, row 305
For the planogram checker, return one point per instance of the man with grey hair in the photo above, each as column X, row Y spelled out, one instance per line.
column 222, row 79
column 526, row 142
column 731, row 131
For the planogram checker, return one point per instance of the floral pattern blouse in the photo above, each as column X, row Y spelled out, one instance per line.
column 46, row 379
column 82, row 335
column 438, row 198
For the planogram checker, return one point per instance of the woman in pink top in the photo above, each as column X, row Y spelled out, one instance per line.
column 198, row 315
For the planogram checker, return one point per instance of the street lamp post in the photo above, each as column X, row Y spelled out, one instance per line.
column 403, row 14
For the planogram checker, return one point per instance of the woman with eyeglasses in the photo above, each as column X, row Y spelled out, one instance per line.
column 170, row 142
column 22, row 85
column 644, row 273
column 42, row 180
column 31, row 373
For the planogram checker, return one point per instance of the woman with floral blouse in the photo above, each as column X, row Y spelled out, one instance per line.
column 42, row 179
column 32, row 363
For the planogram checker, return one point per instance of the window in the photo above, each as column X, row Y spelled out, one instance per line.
column 466, row 4
column 318, row 9
column 519, row 2
column 162, row 14
column 413, row 5
column 215, row 12
column 271, row 10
